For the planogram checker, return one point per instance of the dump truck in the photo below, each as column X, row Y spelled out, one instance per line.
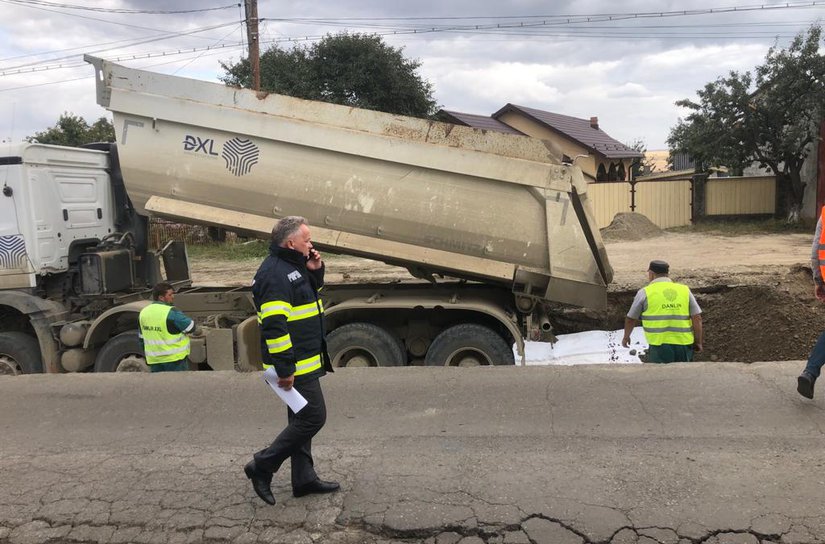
column 492, row 227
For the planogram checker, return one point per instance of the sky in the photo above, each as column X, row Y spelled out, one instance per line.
column 625, row 62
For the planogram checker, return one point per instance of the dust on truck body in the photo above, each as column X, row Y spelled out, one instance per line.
column 493, row 225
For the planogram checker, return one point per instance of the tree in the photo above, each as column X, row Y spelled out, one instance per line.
column 73, row 130
column 639, row 164
column 772, row 118
column 357, row 70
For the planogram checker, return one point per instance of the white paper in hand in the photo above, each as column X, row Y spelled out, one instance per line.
column 292, row 398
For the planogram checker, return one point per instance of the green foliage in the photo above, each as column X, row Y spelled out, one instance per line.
column 253, row 250
column 637, row 167
column 229, row 251
column 770, row 119
column 73, row 130
column 357, row 70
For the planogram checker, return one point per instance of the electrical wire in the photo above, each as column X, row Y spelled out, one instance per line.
column 202, row 54
column 529, row 26
column 60, row 5
column 20, row 68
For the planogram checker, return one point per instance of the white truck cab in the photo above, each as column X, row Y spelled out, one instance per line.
column 55, row 201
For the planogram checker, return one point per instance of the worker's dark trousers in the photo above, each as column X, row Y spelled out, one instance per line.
column 295, row 441
column 817, row 357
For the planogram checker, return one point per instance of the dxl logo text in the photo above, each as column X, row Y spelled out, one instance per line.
column 199, row 145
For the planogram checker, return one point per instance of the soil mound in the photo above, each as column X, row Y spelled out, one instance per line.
column 628, row 226
column 763, row 322
column 779, row 321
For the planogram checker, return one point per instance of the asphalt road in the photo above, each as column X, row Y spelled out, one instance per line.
column 687, row 453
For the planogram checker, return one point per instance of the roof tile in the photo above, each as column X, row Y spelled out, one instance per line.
column 575, row 129
column 477, row 121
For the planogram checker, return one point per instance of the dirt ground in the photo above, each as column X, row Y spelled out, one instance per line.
column 755, row 290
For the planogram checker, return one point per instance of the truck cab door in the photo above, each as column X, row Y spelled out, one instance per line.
column 16, row 270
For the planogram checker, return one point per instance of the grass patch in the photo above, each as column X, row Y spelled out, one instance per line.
column 254, row 250
column 742, row 227
column 230, row 251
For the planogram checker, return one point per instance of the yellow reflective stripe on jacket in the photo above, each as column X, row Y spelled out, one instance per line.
column 278, row 345
column 304, row 311
column 667, row 317
column 310, row 364
column 304, row 366
column 274, row 307
column 159, row 345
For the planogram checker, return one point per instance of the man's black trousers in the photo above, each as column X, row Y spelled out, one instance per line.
column 295, row 441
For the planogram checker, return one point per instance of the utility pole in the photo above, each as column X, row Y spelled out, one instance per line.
column 251, row 8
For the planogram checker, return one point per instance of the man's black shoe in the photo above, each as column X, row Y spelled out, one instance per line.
column 316, row 486
column 260, row 483
column 805, row 385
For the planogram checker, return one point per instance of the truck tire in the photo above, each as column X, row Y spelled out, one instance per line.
column 122, row 353
column 19, row 354
column 469, row 345
column 364, row 344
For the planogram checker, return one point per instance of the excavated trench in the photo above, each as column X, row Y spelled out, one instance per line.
column 775, row 321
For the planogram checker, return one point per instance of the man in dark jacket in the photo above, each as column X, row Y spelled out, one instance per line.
column 290, row 314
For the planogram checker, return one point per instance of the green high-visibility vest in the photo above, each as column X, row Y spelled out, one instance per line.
column 667, row 317
column 158, row 344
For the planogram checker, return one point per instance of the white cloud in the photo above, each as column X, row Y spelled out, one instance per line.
column 628, row 90
column 627, row 72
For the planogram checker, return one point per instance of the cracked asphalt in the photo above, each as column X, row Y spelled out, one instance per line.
column 687, row 453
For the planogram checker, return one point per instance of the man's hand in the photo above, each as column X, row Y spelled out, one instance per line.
column 286, row 383
column 698, row 348
column 629, row 325
column 314, row 262
column 819, row 291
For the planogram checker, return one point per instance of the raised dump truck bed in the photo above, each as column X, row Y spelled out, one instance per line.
column 435, row 198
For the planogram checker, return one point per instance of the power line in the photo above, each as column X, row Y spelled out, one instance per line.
column 586, row 17
column 16, row 3
column 529, row 28
column 21, row 68
column 203, row 53
column 59, row 5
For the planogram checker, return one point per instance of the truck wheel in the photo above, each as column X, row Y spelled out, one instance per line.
column 469, row 345
column 19, row 354
column 364, row 344
column 122, row 353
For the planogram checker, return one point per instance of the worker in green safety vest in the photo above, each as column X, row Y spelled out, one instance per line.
column 163, row 331
column 670, row 316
